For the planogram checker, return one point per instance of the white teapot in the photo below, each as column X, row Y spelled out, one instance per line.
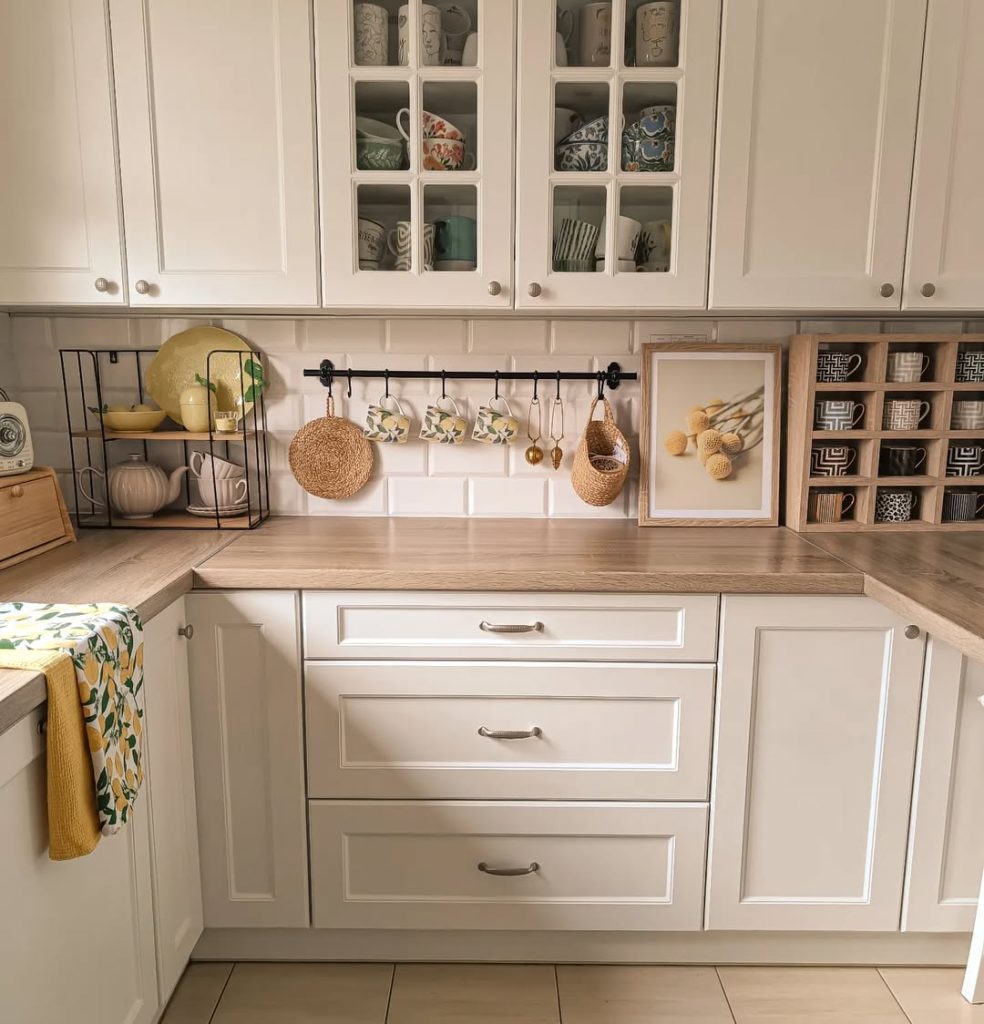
column 137, row 488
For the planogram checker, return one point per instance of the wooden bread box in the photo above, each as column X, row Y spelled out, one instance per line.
column 33, row 516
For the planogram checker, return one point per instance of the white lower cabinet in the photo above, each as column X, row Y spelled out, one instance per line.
column 77, row 940
column 171, row 796
column 488, row 730
column 249, row 758
column 946, row 837
column 535, row 866
column 817, row 719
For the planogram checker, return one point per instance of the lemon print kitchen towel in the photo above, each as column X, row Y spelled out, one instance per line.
column 100, row 719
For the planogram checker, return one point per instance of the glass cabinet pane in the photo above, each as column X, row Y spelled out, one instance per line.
column 581, row 126
column 379, row 143
column 449, row 127
column 451, row 227
column 584, row 34
column 652, row 33
column 374, row 33
column 648, row 141
column 578, row 216
column 649, row 213
column 383, row 222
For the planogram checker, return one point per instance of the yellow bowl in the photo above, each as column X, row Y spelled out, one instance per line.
column 132, row 422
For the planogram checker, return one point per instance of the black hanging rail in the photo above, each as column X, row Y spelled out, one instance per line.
column 610, row 377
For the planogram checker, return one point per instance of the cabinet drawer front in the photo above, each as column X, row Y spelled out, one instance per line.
column 637, row 627
column 600, row 731
column 598, row 866
column 30, row 517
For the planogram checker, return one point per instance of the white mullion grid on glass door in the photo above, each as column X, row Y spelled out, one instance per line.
column 416, row 187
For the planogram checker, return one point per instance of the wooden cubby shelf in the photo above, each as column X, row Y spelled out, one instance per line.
column 870, row 385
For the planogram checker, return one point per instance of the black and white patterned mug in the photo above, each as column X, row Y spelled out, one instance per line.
column 837, row 414
column 970, row 366
column 965, row 460
column 962, row 506
column 832, row 459
column 836, row 367
column 894, row 506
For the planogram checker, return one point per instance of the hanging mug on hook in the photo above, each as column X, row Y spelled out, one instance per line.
column 386, row 425
column 495, row 426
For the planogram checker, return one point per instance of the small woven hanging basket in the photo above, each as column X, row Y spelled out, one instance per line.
column 329, row 457
column 601, row 462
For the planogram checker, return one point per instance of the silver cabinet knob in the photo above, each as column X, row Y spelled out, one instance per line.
column 928, row 289
column 494, row 288
column 534, row 289
column 141, row 287
column 101, row 284
column 186, row 631
column 887, row 290
column 912, row 632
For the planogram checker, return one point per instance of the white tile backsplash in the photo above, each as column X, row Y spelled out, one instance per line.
column 415, row 479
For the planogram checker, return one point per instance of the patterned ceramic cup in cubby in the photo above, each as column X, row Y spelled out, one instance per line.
column 837, row 367
column 904, row 413
column 970, row 367
column 906, row 367
column 894, row 505
column 832, row 459
column 838, row 414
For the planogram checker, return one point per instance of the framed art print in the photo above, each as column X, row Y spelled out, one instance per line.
column 710, row 435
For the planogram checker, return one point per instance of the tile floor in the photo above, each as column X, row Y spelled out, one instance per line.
column 264, row 993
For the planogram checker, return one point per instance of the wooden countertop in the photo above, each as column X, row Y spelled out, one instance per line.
column 936, row 579
column 146, row 571
column 523, row 554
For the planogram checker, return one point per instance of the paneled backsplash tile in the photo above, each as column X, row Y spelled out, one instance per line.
column 434, row 496
column 415, row 478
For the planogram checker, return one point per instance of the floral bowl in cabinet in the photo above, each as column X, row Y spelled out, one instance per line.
column 582, row 156
column 647, row 154
column 591, row 131
column 379, row 154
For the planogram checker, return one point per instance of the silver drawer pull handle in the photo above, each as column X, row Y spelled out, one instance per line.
column 506, row 627
column 531, row 870
column 510, row 734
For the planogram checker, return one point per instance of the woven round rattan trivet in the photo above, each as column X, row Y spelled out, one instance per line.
column 330, row 457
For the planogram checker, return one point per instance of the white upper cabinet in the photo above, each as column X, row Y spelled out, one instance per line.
column 817, row 717
column 59, row 205
column 816, row 126
column 216, row 135
column 945, row 265
column 416, row 155
column 946, row 838
column 596, row 207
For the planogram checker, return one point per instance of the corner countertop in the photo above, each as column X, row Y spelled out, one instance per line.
column 936, row 579
column 523, row 554
column 145, row 570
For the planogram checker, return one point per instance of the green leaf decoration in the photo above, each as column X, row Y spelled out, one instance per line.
column 255, row 370
column 96, row 411
column 199, row 379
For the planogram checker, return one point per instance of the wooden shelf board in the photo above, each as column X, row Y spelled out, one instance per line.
column 965, row 433
column 870, row 385
column 973, row 385
column 897, row 435
column 853, row 480
column 164, row 435
column 171, row 520
column 904, row 481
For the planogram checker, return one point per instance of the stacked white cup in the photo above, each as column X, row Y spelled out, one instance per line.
column 221, row 484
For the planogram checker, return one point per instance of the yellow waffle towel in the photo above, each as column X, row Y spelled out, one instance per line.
column 92, row 657
column 73, row 825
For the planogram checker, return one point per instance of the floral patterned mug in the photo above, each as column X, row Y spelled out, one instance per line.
column 493, row 426
column 384, row 425
column 441, row 426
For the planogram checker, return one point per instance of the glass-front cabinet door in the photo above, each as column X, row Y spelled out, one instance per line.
column 616, row 128
column 415, row 140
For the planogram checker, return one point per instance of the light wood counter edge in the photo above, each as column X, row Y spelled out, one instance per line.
column 935, row 624
column 605, row 581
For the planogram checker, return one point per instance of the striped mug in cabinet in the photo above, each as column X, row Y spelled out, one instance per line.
column 832, row 459
column 829, row 506
column 837, row 414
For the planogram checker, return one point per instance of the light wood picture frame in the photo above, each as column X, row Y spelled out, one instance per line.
column 732, row 395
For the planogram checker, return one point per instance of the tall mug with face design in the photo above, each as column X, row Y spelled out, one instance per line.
column 430, row 35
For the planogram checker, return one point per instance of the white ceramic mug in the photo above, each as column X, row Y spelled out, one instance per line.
column 626, row 238
column 657, row 34
column 456, row 23
column 566, row 121
column 655, row 242
column 968, row 415
column 372, row 239
column 222, row 493
column 370, row 23
column 906, row 367
column 208, row 466
column 469, row 52
column 400, row 243
column 595, row 42
column 430, row 35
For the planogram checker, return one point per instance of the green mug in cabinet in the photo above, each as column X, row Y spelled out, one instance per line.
column 456, row 238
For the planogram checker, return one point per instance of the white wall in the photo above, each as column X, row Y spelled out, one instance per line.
column 416, row 478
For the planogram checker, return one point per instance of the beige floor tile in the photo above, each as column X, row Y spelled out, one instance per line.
column 306, row 994
column 809, row 995
column 197, row 994
column 473, row 994
column 931, row 995
column 641, row 995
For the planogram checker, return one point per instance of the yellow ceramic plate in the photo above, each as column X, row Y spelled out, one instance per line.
column 183, row 355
